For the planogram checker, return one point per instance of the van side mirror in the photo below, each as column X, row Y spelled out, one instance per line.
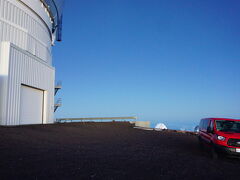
column 209, row 130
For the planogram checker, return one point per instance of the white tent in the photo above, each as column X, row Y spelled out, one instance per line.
column 160, row 127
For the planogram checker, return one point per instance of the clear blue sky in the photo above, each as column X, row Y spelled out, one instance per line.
column 171, row 61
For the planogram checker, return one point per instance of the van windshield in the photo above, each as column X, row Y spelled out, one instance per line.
column 228, row 126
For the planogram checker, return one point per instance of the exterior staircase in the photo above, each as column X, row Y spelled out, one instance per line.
column 59, row 100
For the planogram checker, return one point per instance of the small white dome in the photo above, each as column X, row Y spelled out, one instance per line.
column 160, row 126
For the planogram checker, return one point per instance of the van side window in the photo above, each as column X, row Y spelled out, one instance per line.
column 201, row 124
column 211, row 125
column 206, row 123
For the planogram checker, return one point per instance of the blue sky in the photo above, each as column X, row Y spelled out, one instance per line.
column 165, row 61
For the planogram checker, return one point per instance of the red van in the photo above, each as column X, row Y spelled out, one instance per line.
column 222, row 135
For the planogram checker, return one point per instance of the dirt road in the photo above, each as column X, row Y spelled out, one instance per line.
column 106, row 151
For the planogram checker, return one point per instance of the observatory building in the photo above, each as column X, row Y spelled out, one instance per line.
column 28, row 29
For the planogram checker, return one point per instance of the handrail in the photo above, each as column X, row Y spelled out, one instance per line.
column 94, row 118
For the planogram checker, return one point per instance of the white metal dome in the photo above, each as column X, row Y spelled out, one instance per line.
column 160, row 127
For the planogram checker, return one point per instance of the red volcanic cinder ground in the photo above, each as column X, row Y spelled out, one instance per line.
column 112, row 150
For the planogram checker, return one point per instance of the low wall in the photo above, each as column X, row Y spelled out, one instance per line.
column 145, row 124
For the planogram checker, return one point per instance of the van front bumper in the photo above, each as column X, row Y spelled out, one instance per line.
column 227, row 150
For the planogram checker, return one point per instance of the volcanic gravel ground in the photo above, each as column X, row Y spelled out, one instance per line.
column 113, row 150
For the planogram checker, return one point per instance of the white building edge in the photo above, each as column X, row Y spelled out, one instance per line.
column 27, row 32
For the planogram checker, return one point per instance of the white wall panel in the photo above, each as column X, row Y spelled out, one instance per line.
column 4, row 70
column 37, row 6
column 22, row 27
column 25, row 57
column 26, row 69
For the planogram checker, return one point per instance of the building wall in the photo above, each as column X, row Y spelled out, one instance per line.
column 26, row 29
column 22, row 67
column 25, row 57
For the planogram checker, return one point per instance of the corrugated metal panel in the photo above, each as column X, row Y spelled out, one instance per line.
column 25, row 58
column 22, row 27
column 35, row 4
column 27, row 69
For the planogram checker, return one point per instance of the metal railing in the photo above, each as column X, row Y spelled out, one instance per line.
column 62, row 120
column 57, row 104
column 58, row 86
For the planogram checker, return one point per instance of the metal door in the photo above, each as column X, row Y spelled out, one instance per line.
column 31, row 109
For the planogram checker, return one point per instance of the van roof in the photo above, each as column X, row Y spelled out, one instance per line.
column 226, row 119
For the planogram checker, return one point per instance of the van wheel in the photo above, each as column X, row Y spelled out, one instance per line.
column 214, row 152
